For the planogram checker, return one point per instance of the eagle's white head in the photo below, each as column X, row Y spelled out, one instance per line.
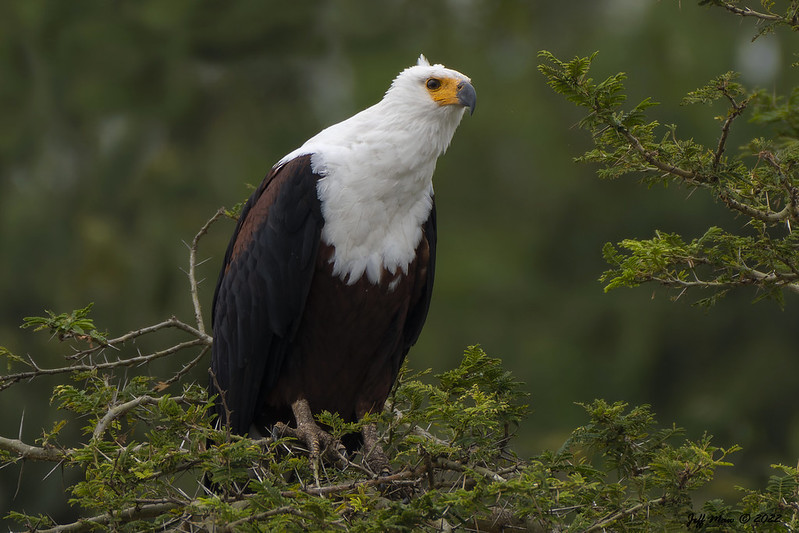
column 418, row 114
column 377, row 168
column 430, row 100
column 428, row 87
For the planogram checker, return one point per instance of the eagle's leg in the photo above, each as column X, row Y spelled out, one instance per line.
column 320, row 443
column 377, row 461
column 373, row 452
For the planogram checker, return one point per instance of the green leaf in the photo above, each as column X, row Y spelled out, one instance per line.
column 11, row 358
column 722, row 86
column 76, row 324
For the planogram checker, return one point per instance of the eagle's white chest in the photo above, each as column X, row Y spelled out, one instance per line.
column 375, row 187
column 373, row 217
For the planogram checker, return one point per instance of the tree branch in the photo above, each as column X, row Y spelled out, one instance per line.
column 691, row 177
column 121, row 409
column 286, row 509
column 33, row 453
column 171, row 322
column 737, row 109
column 624, row 512
column 344, row 487
column 786, row 281
column 9, row 379
column 694, row 178
column 195, row 298
column 748, row 12
column 183, row 371
column 138, row 512
column 459, row 467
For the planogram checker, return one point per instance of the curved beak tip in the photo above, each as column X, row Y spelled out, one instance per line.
column 467, row 96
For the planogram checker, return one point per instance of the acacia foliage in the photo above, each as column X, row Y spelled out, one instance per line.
column 146, row 442
column 758, row 182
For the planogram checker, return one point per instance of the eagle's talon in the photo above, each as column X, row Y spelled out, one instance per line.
column 374, row 456
column 320, row 443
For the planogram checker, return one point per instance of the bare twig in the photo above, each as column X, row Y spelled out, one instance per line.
column 602, row 524
column 405, row 475
column 138, row 512
column 221, row 398
column 9, row 379
column 32, row 453
column 121, row 409
column 749, row 12
column 183, row 371
column 735, row 112
column 786, row 281
column 286, row 509
column 195, row 298
column 771, row 217
column 459, row 467
column 171, row 322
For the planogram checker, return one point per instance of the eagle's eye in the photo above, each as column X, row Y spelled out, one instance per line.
column 433, row 84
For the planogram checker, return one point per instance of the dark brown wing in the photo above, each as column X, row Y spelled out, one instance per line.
column 262, row 289
column 417, row 314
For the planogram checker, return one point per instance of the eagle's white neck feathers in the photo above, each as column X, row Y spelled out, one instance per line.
column 376, row 173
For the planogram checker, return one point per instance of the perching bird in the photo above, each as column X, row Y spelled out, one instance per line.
column 327, row 279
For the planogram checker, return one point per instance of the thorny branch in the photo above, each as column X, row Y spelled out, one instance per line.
column 121, row 409
column 139, row 512
column 790, row 211
column 746, row 11
column 9, row 379
column 602, row 524
column 787, row 281
column 202, row 338
column 195, row 299
column 183, row 371
column 172, row 322
column 735, row 111
column 286, row 509
column 32, row 453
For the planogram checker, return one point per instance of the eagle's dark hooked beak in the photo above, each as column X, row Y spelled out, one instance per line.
column 467, row 96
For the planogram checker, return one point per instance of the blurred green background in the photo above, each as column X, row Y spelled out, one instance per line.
column 125, row 125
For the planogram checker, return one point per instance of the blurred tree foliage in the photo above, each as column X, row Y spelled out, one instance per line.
column 126, row 123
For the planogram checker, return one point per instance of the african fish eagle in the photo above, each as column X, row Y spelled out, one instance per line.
column 327, row 279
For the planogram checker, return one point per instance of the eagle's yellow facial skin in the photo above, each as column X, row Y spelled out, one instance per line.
column 444, row 91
